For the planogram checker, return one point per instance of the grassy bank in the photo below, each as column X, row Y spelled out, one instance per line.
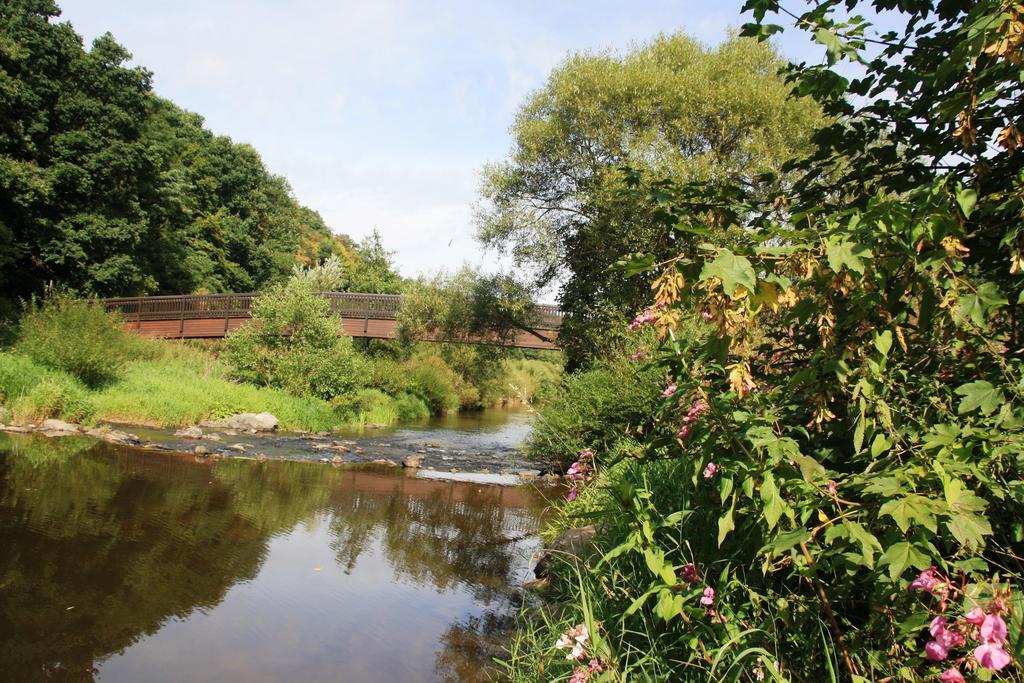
column 73, row 363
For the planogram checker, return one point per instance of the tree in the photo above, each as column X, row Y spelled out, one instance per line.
column 107, row 189
column 372, row 268
column 294, row 343
column 672, row 107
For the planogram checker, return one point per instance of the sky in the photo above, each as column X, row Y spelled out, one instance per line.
column 381, row 113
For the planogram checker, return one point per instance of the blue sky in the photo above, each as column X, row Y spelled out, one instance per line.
column 381, row 113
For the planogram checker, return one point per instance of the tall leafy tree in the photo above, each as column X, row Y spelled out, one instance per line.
column 673, row 106
column 107, row 189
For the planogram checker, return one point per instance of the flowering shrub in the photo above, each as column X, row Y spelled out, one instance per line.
column 833, row 485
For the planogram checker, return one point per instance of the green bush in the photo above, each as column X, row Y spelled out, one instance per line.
column 411, row 408
column 294, row 344
column 386, row 374
column 78, row 337
column 597, row 409
column 35, row 393
column 18, row 374
column 435, row 382
column 56, row 395
column 526, row 378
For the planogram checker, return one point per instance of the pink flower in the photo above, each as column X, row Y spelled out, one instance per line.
column 926, row 581
column 576, row 639
column 833, row 489
column 586, row 454
column 710, row 470
column 975, row 616
column 572, row 493
column 947, row 637
column 644, row 318
column 991, row 656
column 579, row 675
column 683, row 432
column 951, row 675
column 993, row 629
column 639, row 355
column 669, row 390
column 706, row 315
column 709, row 597
column 935, row 651
column 688, row 573
column 595, row 666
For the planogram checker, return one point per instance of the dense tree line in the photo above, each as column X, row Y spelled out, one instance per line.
column 108, row 189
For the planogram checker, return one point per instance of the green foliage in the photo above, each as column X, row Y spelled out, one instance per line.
column 34, row 392
column 54, row 396
column 466, row 305
column 529, row 378
column 430, row 378
column 110, row 190
column 852, row 414
column 372, row 269
column 295, row 344
column 326, row 276
column 602, row 408
column 563, row 205
column 77, row 337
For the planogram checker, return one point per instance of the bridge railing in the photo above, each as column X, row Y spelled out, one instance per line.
column 344, row 304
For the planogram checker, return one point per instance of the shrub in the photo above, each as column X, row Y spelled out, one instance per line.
column 436, row 383
column 596, row 409
column 386, row 374
column 295, row 344
column 411, row 408
column 18, row 374
column 78, row 337
column 56, row 395
column 526, row 378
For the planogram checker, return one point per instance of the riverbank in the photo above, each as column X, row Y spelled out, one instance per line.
column 482, row 446
column 70, row 360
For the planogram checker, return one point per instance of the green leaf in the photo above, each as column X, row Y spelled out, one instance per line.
column 880, row 445
column 969, row 529
column 979, row 304
column 787, row 540
column 773, row 505
column 669, row 606
column 639, row 602
column 901, row 555
column 868, row 543
column 979, row 395
column 967, row 199
column 847, row 255
column 883, row 342
column 810, row 469
column 634, row 264
column 655, row 560
column 734, row 271
column 912, row 509
column 726, row 523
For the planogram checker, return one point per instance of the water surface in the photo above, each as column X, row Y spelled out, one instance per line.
column 121, row 565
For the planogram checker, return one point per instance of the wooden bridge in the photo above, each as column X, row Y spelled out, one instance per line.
column 373, row 316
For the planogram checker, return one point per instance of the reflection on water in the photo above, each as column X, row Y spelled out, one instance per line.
column 127, row 566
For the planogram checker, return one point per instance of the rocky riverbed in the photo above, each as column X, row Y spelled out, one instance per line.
column 477, row 447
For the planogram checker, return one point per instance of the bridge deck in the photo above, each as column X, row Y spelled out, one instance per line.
column 372, row 316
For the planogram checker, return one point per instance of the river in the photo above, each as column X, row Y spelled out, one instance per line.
column 124, row 565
